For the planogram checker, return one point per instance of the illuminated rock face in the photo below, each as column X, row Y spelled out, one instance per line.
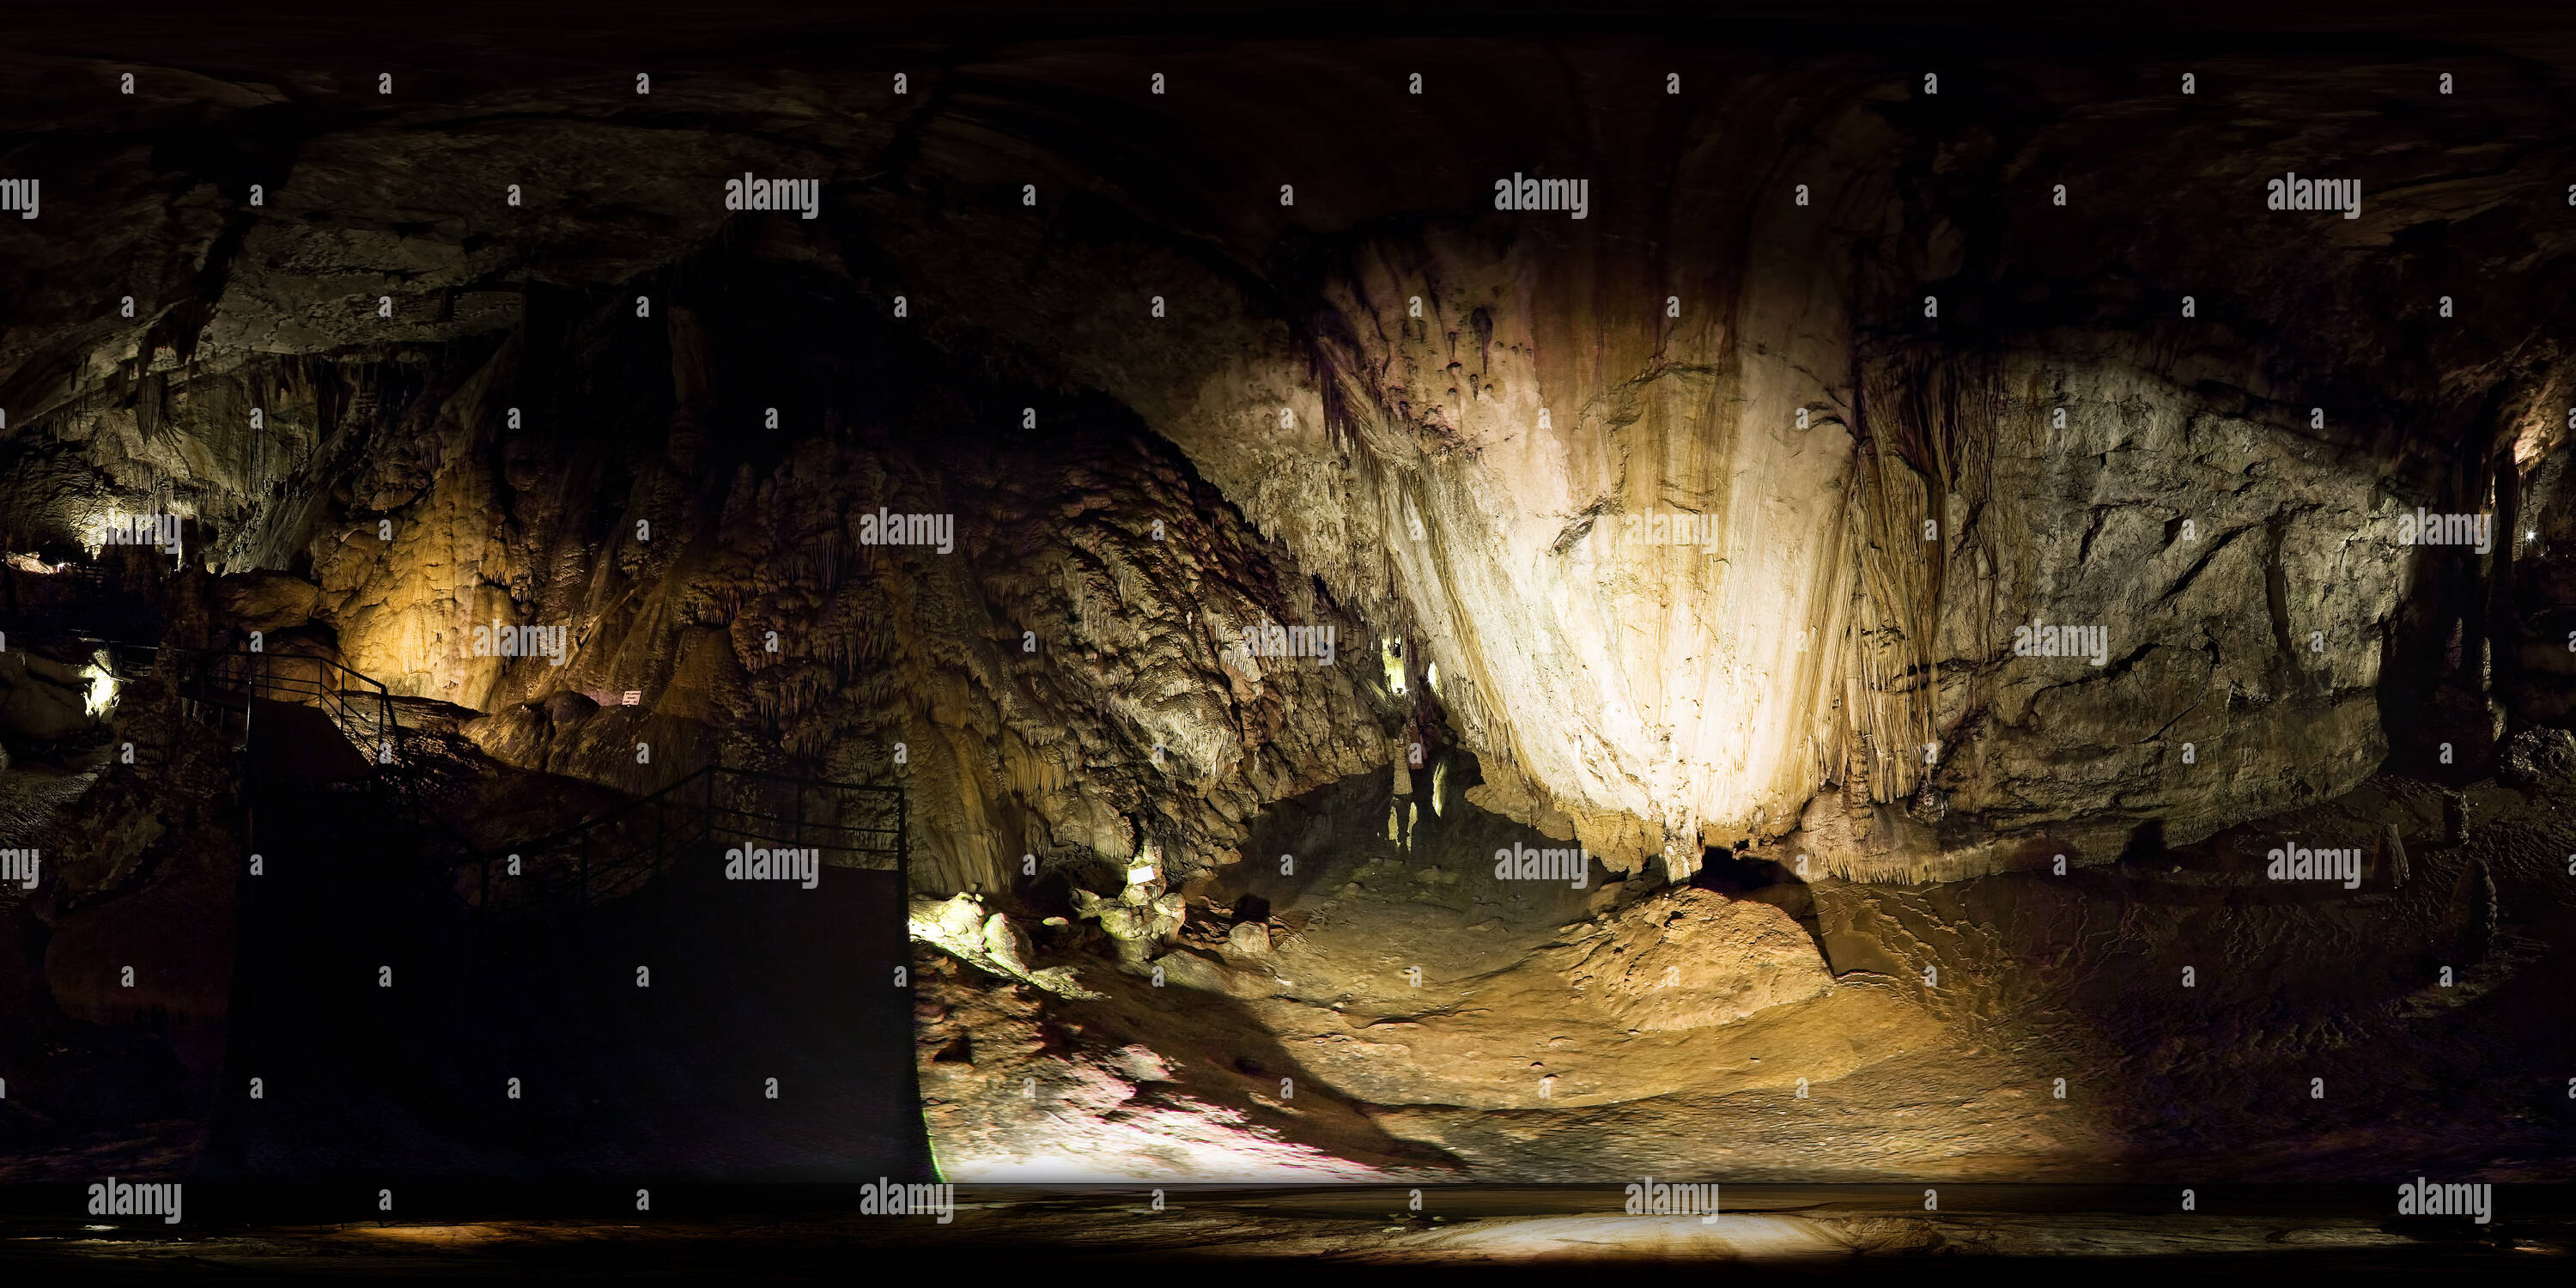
column 1716, row 507
column 1732, row 539
column 1696, row 961
column 1637, row 606
column 2162, row 614
column 1593, row 502
column 1671, row 615
column 1629, row 552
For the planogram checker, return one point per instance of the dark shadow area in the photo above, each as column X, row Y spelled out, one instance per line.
column 702, row 1028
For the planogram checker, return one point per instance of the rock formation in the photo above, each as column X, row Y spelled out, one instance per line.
column 1852, row 523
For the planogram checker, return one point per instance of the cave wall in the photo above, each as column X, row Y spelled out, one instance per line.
column 1349, row 366
column 1057, row 681
column 1653, row 696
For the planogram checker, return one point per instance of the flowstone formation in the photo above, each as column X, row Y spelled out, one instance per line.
column 1689, row 549
column 1143, row 914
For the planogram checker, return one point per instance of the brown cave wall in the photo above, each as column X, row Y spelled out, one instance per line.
column 1087, row 539
column 1648, row 697
column 1658, row 697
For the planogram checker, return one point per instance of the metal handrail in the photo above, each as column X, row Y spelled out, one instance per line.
column 361, row 707
column 601, row 851
column 774, row 818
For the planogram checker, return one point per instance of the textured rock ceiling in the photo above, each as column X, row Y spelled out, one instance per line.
column 1447, row 416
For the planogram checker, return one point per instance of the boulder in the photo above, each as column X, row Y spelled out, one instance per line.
column 2469, row 927
column 1248, row 939
column 2536, row 756
column 42, row 699
column 1692, row 959
column 266, row 601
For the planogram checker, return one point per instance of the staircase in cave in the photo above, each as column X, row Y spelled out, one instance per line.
column 598, row 1002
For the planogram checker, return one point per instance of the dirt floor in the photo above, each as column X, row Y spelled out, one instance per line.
column 1758, row 1028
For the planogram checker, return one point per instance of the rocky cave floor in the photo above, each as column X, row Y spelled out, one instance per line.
column 1573, row 1036
column 1744, row 1025
column 1757, row 1028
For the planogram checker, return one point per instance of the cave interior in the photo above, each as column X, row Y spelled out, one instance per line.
column 1787, row 603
